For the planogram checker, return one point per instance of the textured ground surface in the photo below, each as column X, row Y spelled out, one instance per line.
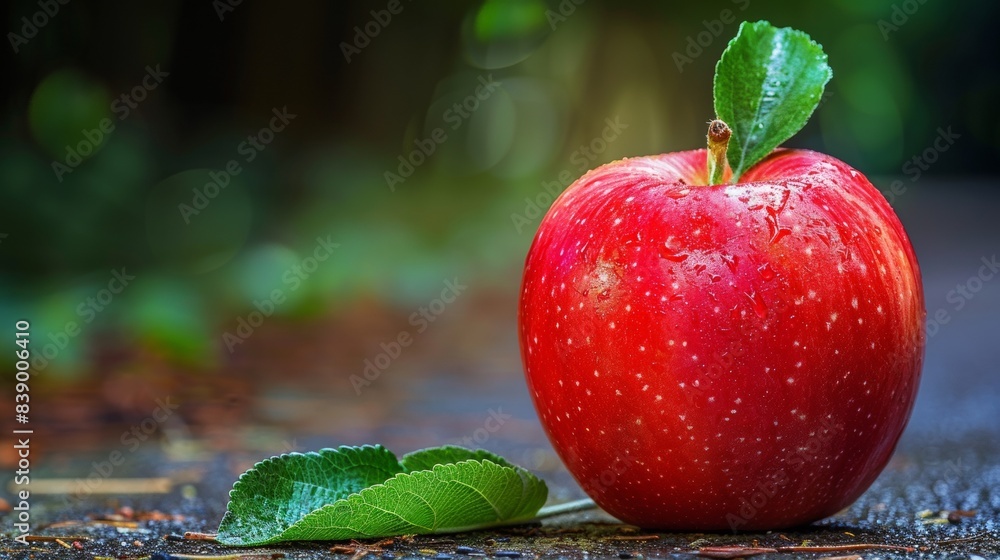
column 948, row 461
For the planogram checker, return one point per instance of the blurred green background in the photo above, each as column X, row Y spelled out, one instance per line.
column 118, row 117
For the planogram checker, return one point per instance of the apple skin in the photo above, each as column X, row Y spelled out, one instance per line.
column 725, row 357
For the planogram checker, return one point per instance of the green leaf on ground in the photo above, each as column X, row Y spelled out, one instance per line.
column 767, row 85
column 365, row 492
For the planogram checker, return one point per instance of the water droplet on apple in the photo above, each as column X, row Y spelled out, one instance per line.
column 670, row 254
column 766, row 272
column 676, row 257
column 779, row 234
column 732, row 261
column 757, row 302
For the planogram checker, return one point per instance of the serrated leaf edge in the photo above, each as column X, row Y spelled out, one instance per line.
column 493, row 457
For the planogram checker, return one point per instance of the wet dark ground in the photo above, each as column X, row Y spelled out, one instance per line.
column 954, row 475
column 948, row 460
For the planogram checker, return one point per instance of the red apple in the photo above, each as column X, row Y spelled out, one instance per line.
column 729, row 356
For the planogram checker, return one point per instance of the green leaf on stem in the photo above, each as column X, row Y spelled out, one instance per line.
column 767, row 85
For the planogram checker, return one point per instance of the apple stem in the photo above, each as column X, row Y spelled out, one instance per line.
column 568, row 507
column 718, row 141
